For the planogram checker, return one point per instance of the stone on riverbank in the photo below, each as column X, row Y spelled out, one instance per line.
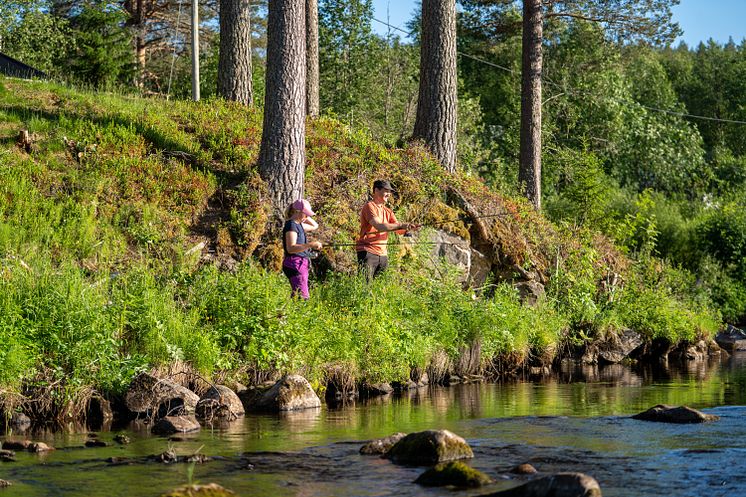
column 209, row 490
column 98, row 411
column 613, row 348
column 150, row 395
column 175, row 424
column 19, row 421
column 5, row 483
column 375, row 389
column 558, row 485
column 454, row 473
column 290, row 393
column 429, row 447
column 219, row 402
column 732, row 339
column 380, row 446
column 669, row 414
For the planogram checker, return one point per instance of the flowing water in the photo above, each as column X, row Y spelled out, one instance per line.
column 577, row 421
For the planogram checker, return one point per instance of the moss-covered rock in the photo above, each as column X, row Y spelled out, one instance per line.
column 209, row 490
column 429, row 447
column 454, row 473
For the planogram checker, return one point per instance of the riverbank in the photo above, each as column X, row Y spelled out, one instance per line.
column 134, row 235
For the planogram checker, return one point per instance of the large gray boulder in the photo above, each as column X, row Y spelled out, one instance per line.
column 153, row 396
column 429, row 447
column 219, row 402
column 669, row 414
column 291, row 392
column 557, row 485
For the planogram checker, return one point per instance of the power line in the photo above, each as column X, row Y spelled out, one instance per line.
column 575, row 93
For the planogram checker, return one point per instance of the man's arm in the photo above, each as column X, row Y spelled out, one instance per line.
column 382, row 226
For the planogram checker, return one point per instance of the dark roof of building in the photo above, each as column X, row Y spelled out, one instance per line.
column 17, row 69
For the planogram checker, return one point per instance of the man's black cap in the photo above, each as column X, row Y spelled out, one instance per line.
column 384, row 184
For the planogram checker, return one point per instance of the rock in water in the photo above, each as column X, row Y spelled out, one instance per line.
column 209, row 490
column 669, row 414
column 148, row 395
column 558, row 485
column 380, row 446
column 453, row 473
column 429, row 447
column 39, row 447
column 7, row 455
column 523, row 469
column 175, row 424
column 291, row 392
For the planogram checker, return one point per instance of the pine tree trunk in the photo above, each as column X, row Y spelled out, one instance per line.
column 529, row 173
column 282, row 157
column 437, row 103
column 140, row 44
column 312, row 55
column 234, row 63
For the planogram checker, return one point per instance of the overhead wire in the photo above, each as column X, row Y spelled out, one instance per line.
column 575, row 92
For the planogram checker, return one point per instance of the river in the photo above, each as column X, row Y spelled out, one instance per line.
column 577, row 420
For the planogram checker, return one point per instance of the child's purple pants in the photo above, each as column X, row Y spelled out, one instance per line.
column 296, row 269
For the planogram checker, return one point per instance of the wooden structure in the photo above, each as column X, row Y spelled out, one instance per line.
column 17, row 69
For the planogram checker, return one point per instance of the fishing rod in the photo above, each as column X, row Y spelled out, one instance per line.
column 486, row 216
column 439, row 223
column 353, row 244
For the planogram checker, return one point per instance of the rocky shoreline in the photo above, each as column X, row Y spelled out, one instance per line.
column 158, row 397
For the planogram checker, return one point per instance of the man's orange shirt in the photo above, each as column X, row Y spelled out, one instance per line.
column 370, row 239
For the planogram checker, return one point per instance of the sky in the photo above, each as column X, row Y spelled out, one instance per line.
column 700, row 19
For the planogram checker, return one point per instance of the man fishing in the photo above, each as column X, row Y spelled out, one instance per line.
column 376, row 221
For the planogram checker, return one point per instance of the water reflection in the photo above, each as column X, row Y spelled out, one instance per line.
column 573, row 420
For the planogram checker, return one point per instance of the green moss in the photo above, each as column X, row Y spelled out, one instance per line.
column 455, row 474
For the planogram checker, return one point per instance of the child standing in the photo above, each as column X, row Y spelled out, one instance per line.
column 297, row 261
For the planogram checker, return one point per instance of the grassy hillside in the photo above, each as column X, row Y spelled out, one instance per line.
column 134, row 233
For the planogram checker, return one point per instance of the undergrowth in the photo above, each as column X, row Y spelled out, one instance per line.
column 99, row 279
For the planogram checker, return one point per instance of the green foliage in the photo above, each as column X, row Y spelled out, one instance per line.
column 103, row 55
column 722, row 233
column 584, row 191
column 345, row 43
column 40, row 40
column 650, row 304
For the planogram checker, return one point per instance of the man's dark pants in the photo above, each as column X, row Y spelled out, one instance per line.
column 371, row 264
